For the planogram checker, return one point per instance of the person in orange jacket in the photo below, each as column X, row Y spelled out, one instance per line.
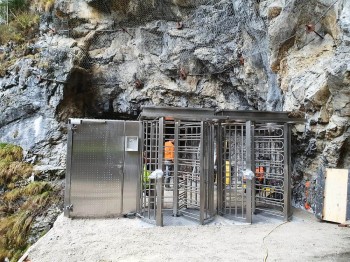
column 169, row 152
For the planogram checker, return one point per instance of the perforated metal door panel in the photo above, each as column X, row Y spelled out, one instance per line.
column 97, row 169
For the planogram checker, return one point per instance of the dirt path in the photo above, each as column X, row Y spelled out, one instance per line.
column 303, row 239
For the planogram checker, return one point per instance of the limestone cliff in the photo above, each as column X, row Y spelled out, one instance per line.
column 105, row 59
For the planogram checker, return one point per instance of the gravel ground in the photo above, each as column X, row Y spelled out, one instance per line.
column 124, row 239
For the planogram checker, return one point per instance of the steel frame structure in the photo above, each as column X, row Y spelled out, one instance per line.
column 107, row 176
column 244, row 140
column 190, row 189
column 231, row 148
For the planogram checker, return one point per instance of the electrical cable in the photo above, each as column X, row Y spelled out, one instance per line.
column 267, row 250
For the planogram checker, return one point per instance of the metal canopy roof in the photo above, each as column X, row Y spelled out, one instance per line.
column 259, row 116
column 187, row 113
column 151, row 112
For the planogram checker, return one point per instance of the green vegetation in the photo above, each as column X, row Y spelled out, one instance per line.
column 22, row 27
column 46, row 5
column 23, row 22
column 21, row 202
column 11, row 167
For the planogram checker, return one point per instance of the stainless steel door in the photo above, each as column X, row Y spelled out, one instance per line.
column 96, row 171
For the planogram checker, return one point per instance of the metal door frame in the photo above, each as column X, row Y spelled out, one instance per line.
column 206, row 169
column 252, row 194
column 235, row 138
column 127, row 163
column 273, row 193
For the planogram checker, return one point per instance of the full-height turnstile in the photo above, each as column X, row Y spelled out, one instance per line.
column 258, row 142
column 231, row 163
column 189, row 189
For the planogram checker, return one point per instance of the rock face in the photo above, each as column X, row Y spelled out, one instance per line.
column 105, row 59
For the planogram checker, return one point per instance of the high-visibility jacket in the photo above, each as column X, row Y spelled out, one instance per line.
column 169, row 150
column 259, row 173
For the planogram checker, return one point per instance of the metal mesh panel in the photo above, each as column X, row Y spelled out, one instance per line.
column 150, row 163
column 234, row 162
column 269, row 173
column 151, row 145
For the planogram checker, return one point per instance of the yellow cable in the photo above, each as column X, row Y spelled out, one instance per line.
column 267, row 251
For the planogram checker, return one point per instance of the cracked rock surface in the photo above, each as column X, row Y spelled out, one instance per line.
column 189, row 53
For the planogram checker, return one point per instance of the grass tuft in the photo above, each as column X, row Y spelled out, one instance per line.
column 11, row 172
column 10, row 152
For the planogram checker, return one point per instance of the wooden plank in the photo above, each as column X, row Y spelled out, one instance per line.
column 335, row 195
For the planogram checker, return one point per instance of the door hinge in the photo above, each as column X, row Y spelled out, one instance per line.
column 69, row 207
column 73, row 127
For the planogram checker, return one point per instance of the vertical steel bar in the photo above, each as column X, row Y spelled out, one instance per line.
column 195, row 175
column 67, row 192
column 176, row 164
column 287, row 177
column 230, row 167
column 141, row 160
column 161, row 143
column 154, row 198
column 219, row 170
column 151, row 142
column 201, row 178
column 145, row 128
column 211, row 171
column 253, row 164
column 205, row 133
column 242, row 167
column 186, row 181
column 150, row 196
column 159, row 204
column 289, row 157
column 190, row 177
column 249, row 165
column 235, row 170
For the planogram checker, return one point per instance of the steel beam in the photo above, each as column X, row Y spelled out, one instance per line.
column 220, row 175
column 211, row 171
column 202, row 181
column 182, row 113
column 160, row 199
column 287, row 211
column 161, row 143
column 67, row 193
column 176, row 163
column 250, row 184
